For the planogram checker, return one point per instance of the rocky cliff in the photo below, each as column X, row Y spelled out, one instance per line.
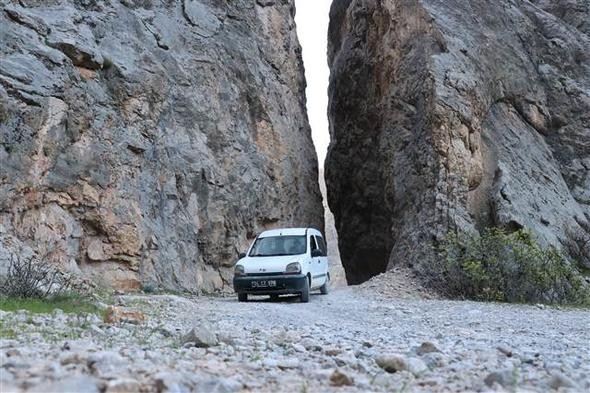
column 337, row 274
column 455, row 115
column 146, row 142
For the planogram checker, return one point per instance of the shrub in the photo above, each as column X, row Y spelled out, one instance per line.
column 502, row 266
column 149, row 287
column 29, row 277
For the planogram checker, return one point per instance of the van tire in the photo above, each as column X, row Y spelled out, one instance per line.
column 305, row 292
column 324, row 289
column 242, row 297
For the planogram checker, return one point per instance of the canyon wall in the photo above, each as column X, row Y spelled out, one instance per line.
column 147, row 142
column 455, row 115
column 337, row 274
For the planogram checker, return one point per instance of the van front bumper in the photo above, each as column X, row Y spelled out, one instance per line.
column 270, row 285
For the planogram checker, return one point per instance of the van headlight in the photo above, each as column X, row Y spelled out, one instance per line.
column 239, row 270
column 293, row 268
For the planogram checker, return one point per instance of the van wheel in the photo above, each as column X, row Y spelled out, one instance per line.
column 305, row 292
column 324, row 289
column 274, row 298
column 242, row 297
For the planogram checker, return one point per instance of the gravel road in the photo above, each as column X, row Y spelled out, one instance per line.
column 346, row 341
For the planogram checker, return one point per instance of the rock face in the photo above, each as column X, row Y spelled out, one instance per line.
column 149, row 142
column 455, row 115
column 337, row 274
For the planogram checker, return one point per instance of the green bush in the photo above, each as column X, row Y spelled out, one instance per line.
column 511, row 267
column 149, row 287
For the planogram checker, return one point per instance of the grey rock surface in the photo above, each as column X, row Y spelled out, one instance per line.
column 78, row 384
column 392, row 363
column 202, row 336
column 337, row 274
column 455, row 116
column 147, row 143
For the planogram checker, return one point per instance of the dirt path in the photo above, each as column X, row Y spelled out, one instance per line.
column 292, row 346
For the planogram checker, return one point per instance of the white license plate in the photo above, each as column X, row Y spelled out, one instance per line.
column 264, row 284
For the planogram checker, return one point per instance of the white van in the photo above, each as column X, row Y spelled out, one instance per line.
column 283, row 261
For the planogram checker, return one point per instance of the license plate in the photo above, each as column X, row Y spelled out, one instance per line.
column 264, row 284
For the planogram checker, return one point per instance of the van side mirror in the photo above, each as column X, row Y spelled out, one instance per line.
column 317, row 253
column 241, row 255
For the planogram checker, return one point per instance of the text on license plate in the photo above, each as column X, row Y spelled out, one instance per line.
column 264, row 284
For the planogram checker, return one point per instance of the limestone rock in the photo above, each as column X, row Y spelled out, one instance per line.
column 416, row 366
column 427, row 347
column 75, row 383
column 503, row 378
column 559, row 380
column 202, row 336
column 168, row 382
column 105, row 363
column 123, row 385
column 455, row 116
column 505, row 349
column 392, row 363
column 116, row 314
column 290, row 363
column 338, row 378
column 149, row 142
column 220, row 385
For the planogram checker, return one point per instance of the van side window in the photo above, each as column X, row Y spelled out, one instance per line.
column 322, row 245
column 312, row 244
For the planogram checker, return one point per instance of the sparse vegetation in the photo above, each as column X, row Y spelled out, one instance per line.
column 511, row 267
column 35, row 285
column 149, row 288
column 68, row 303
column 6, row 332
column 29, row 277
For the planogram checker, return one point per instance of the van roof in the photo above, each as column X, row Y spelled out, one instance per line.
column 288, row 232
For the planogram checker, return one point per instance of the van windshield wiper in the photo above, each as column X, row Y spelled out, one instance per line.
column 270, row 255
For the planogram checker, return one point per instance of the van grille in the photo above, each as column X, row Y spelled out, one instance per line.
column 264, row 274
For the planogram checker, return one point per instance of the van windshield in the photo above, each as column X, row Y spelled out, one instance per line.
column 279, row 245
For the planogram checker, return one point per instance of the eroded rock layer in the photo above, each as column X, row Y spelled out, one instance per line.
column 455, row 115
column 148, row 142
